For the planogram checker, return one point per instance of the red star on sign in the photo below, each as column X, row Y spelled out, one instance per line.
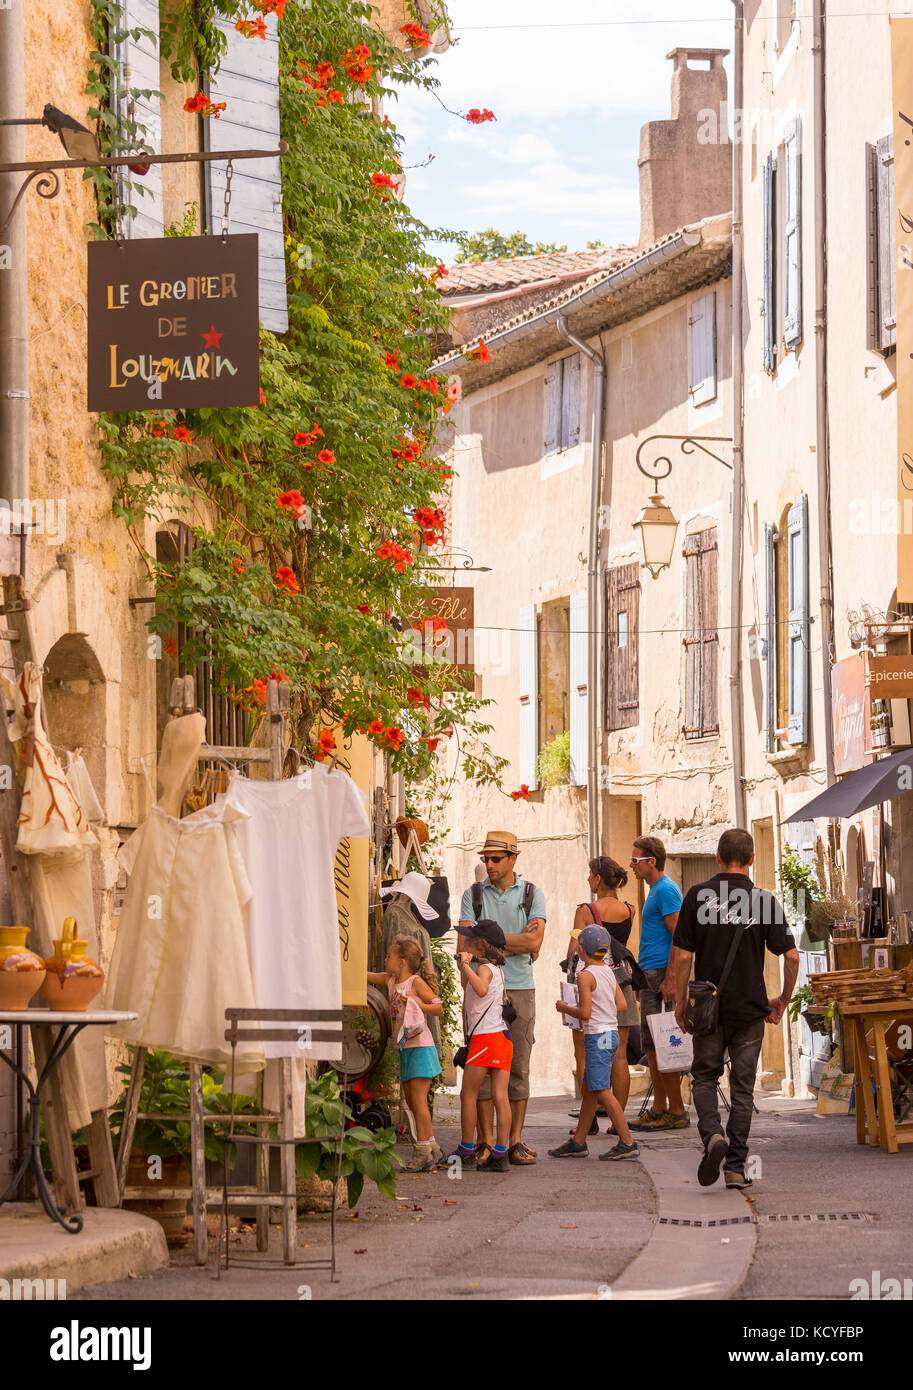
column 212, row 339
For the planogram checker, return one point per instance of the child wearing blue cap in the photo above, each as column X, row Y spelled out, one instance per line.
column 600, row 998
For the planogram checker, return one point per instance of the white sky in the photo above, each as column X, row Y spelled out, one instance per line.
column 560, row 162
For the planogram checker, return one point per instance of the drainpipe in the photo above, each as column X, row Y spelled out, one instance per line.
column 592, row 581
column 738, row 455
column 14, row 331
column 823, row 452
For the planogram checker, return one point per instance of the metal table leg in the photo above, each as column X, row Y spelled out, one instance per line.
column 32, row 1158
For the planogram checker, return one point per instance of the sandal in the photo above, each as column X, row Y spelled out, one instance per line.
column 520, row 1154
column 481, row 1153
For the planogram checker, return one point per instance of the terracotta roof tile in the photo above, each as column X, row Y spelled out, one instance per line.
column 489, row 276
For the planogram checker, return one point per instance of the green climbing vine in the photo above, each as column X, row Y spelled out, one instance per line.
column 318, row 515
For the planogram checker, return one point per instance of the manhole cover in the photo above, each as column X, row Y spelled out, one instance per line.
column 835, row 1216
column 719, row 1221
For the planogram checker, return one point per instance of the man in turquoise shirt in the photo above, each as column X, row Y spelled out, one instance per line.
column 502, row 902
column 658, row 919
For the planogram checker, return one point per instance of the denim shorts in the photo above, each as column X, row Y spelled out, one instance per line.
column 599, row 1053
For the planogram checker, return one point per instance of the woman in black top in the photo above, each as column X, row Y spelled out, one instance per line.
column 604, row 879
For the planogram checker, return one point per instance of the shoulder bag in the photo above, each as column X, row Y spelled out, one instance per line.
column 702, row 1011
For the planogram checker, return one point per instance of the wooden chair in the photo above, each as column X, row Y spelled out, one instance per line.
column 260, row 1025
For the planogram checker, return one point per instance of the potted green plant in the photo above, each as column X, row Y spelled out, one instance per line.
column 553, row 765
column 365, row 1154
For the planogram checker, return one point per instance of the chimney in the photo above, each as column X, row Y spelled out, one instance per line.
column 686, row 163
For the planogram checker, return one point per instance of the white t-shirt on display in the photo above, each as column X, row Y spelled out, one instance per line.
column 288, row 842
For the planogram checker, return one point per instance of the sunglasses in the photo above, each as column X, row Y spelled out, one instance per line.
column 645, row 859
column 492, row 858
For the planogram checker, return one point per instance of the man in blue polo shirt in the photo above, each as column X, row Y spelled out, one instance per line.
column 502, row 901
column 658, row 919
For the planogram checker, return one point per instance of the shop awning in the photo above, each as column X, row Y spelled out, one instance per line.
column 880, row 781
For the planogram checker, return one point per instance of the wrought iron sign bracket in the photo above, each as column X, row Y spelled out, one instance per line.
column 47, row 183
column 687, row 443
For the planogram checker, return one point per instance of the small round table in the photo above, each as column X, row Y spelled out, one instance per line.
column 69, row 1026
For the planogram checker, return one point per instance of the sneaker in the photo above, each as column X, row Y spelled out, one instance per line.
column 423, row 1160
column 467, row 1160
column 621, row 1151
column 709, row 1167
column 570, row 1150
column 649, row 1121
column 671, row 1121
column 736, row 1179
column 495, row 1163
column 437, row 1153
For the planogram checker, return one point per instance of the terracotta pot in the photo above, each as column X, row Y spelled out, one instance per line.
column 169, row 1212
column 403, row 826
column 21, row 971
column 72, row 980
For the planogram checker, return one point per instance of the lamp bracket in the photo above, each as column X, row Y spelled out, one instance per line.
column 687, row 444
column 47, row 185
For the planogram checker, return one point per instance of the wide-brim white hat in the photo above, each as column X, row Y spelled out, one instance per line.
column 417, row 887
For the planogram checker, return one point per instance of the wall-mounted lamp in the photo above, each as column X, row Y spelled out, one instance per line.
column 657, row 525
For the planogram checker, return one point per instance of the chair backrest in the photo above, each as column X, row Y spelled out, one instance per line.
column 299, row 1026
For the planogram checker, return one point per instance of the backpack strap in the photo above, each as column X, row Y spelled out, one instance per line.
column 477, row 901
column 529, row 890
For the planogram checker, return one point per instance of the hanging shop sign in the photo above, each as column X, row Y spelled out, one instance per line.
column 445, row 631
column 891, row 677
column 851, row 714
column 173, row 323
column 350, row 873
column 902, row 73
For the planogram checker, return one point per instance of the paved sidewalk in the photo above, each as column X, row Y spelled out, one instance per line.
column 574, row 1228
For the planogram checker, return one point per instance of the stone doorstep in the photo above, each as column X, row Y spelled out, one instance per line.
column 112, row 1245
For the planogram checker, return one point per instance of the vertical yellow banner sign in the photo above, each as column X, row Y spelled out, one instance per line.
column 902, row 73
column 351, row 873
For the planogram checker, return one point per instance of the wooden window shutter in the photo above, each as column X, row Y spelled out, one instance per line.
column 138, row 71
column 769, row 307
column 885, row 241
column 702, row 349
column 691, row 637
column 710, row 646
column 797, row 541
column 770, row 637
column 553, row 377
column 621, row 664
column 528, row 668
column 792, row 239
column 579, row 702
column 570, row 402
column 248, row 82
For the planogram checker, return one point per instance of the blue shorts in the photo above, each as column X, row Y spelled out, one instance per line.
column 418, row 1061
column 599, row 1053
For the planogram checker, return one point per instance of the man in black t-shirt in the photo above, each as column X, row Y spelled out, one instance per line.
column 710, row 914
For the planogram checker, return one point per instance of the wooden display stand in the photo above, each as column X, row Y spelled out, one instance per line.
column 875, row 1123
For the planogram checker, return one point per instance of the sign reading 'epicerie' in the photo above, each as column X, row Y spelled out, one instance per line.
column 173, row 323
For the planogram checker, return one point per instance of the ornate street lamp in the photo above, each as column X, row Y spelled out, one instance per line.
column 657, row 525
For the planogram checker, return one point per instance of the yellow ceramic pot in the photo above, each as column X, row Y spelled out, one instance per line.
column 72, row 980
column 21, row 971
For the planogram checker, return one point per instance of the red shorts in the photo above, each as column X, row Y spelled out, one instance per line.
column 491, row 1050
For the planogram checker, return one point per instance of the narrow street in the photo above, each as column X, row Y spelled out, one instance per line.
column 824, row 1213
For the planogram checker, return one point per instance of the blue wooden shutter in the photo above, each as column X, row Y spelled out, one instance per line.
column 770, row 638
column 248, row 82
column 792, row 247
column 797, row 541
column 528, row 668
column 702, row 349
column 579, row 648
column 138, row 64
column 570, row 402
column 553, row 376
column 769, row 306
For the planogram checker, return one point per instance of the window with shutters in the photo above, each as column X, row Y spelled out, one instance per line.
column 136, row 106
column 769, row 242
column 621, row 683
column 562, row 404
column 787, row 629
column 554, row 670
column 791, row 243
column 248, row 82
column 702, row 349
column 701, row 637
column 882, row 265
column 782, row 248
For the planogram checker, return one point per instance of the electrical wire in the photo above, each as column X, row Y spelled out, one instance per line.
column 674, row 19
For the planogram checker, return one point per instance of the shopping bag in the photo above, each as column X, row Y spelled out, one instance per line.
column 569, row 995
column 674, row 1049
